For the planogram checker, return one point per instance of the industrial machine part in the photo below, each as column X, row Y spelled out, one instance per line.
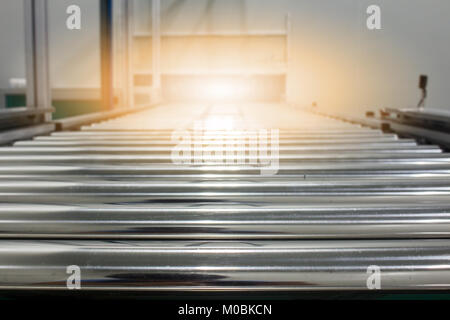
column 344, row 202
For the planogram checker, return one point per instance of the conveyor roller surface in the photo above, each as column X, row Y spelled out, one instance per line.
column 339, row 201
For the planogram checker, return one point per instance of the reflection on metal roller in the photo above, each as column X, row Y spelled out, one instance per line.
column 110, row 199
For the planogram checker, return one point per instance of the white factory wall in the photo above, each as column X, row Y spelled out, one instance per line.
column 343, row 65
column 336, row 61
column 12, row 43
column 74, row 54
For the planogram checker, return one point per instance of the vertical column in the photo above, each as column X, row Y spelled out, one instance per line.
column 37, row 55
column 128, row 34
column 156, row 45
column 288, row 54
column 121, row 52
column 106, row 61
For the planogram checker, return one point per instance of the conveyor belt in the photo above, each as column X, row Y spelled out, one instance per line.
column 110, row 199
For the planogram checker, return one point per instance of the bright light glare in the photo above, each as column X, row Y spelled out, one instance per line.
column 219, row 123
column 222, row 90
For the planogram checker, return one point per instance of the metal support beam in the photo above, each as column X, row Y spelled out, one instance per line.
column 156, row 45
column 122, row 52
column 106, row 64
column 288, row 54
column 128, row 34
column 37, row 52
column 28, row 132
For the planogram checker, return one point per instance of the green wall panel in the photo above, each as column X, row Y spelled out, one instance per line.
column 63, row 108
column 70, row 108
column 15, row 100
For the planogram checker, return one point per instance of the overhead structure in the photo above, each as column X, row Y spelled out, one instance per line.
column 251, row 64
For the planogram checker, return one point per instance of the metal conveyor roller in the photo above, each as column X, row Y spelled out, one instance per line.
column 111, row 200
